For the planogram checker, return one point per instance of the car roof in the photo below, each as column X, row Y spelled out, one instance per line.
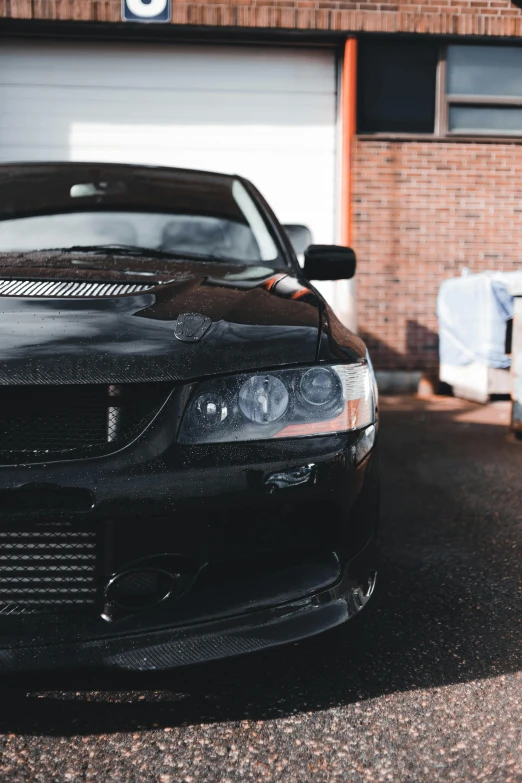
column 34, row 188
column 26, row 167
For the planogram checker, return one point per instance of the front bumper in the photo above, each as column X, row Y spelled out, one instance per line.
column 251, row 632
column 274, row 541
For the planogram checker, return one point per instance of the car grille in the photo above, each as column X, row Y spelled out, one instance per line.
column 49, row 568
column 43, row 422
column 70, row 288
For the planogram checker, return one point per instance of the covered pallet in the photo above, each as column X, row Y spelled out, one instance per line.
column 474, row 313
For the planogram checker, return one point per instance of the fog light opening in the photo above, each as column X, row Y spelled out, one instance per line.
column 141, row 588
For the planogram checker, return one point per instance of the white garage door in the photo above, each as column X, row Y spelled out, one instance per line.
column 266, row 113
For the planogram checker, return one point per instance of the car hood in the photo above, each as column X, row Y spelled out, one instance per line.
column 257, row 318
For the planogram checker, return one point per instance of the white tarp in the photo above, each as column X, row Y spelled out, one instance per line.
column 473, row 311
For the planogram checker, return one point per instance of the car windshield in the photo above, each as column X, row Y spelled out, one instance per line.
column 228, row 227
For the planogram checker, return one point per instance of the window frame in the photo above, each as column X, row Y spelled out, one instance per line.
column 444, row 101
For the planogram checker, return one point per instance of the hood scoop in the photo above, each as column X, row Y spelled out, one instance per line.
column 71, row 288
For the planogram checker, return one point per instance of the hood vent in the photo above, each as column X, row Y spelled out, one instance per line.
column 71, row 288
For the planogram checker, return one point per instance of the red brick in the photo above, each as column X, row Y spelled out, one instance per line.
column 467, row 17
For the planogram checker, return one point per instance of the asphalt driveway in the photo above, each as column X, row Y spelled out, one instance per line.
column 428, row 689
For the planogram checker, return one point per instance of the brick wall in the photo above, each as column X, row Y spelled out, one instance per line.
column 422, row 211
column 464, row 17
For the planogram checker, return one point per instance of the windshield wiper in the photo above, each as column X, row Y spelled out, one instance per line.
column 133, row 250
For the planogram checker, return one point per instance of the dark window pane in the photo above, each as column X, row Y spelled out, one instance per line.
column 493, row 120
column 484, row 70
column 396, row 87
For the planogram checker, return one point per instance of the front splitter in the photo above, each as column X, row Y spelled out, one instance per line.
column 199, row 643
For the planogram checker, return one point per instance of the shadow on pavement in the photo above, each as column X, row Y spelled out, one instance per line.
column 448, row 609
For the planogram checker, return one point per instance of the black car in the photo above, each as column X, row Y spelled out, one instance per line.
column 187, row 432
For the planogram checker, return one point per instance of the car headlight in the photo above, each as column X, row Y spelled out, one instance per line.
column 280, row 404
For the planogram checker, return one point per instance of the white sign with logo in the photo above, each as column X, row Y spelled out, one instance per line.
column 146, row 10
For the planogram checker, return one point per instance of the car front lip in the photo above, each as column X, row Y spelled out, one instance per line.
column 198, row 643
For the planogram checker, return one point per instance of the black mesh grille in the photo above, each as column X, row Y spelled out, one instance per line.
column 40, row 422
column 49, row 568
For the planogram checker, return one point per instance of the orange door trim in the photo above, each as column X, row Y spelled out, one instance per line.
column 349, row 126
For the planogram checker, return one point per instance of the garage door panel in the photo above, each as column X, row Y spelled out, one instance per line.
column 165, row 67
column 157, row 107
column 102, row 138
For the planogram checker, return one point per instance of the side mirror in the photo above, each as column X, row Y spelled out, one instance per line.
column 329, row 262
column 300, row 237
